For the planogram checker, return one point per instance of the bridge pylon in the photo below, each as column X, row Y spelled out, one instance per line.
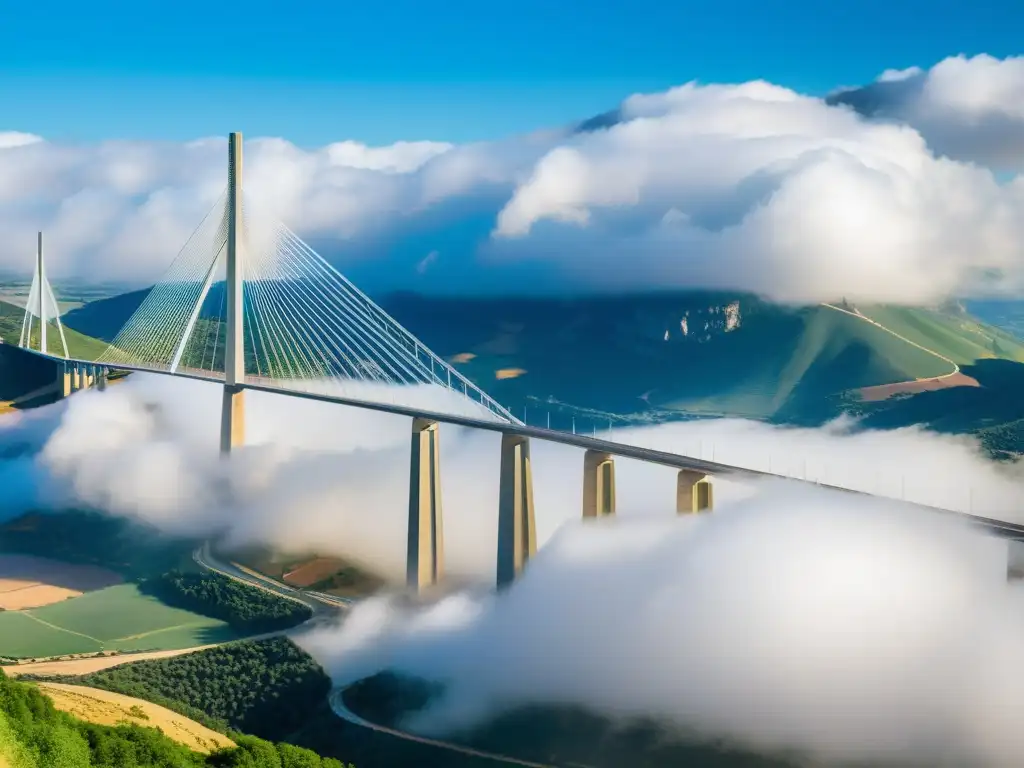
column 41, row 302
column 232, row 423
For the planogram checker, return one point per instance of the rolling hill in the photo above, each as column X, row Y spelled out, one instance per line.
column 80, row 346
column 668, row 355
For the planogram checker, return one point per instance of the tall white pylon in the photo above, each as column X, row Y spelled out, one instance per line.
column 232, row 425
column 41, row 304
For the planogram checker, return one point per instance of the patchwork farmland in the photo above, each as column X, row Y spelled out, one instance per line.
column 117, row 618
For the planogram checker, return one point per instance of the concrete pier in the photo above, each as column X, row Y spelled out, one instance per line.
column 694, row 492
column 425, row 552
column 517, row 527
column 63, row 379
column 232, row 415
column 598, row 484
column 76, row 378
column 101, row 379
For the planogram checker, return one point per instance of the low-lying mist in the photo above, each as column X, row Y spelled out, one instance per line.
column 335, row 479
column 846, row 629
column 792, row 617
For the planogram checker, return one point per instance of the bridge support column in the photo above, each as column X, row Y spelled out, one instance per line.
column 76, row 378
column 101, row 379
column 232, row 418
column 694, row 492
column 598, row 484
column 517, row 528
column 425, row 553
column 63, row 379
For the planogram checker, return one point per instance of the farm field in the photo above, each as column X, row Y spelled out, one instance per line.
column 106, row 708
column 86, row 665
column 331, row 575
column 32, row 582
column 116, row 618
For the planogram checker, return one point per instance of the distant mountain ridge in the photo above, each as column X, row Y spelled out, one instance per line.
column 665, row 355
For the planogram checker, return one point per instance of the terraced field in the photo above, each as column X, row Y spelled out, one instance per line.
column 117, row 618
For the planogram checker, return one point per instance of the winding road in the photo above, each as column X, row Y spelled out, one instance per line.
column 326, row 606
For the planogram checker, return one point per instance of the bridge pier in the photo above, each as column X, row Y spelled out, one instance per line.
column 63, row 379
column 232, row 418
column 76, row 378
column 424, row 565
column 598, row 484
column 101, row 379
column 517, row 527
column 694, row 492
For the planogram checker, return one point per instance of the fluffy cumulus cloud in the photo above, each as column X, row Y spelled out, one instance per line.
column 969, row 109
column 748, row 187
column 845, row 630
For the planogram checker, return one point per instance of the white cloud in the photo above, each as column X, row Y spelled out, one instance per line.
column 769, row 192
column 401, row 157
column 969, row 108
column 747, row 187
column 842, row 629
column 10, row 139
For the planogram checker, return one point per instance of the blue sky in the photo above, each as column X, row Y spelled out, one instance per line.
column 456, row 70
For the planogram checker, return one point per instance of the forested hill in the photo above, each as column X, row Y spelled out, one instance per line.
column 33, row 734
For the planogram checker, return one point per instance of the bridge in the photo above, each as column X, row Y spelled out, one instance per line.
column 249, row 304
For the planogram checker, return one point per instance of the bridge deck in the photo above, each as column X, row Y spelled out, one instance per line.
column 624, row 450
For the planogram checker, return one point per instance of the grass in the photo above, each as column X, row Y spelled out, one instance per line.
column 12, row 753
column 117, row 618
column 107, row 708
column 23, row 637
column 79, row 345
column 959, row 337
column 629, row 356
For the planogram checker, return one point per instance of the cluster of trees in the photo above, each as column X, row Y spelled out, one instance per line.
column 265, row 687
column 36, row 735
column 247, row 609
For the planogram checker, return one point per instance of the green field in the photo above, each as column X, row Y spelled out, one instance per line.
column 117, row 618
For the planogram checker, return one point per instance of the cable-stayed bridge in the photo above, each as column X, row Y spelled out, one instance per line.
column 248, row 303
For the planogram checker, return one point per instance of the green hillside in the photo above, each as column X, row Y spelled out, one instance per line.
column 659, row 356
column 955, row 334
column 80, row 346
column 734, row 355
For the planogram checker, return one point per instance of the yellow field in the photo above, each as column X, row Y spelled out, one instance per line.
column 85, row 665
column 32, row 582
column 105, row 708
